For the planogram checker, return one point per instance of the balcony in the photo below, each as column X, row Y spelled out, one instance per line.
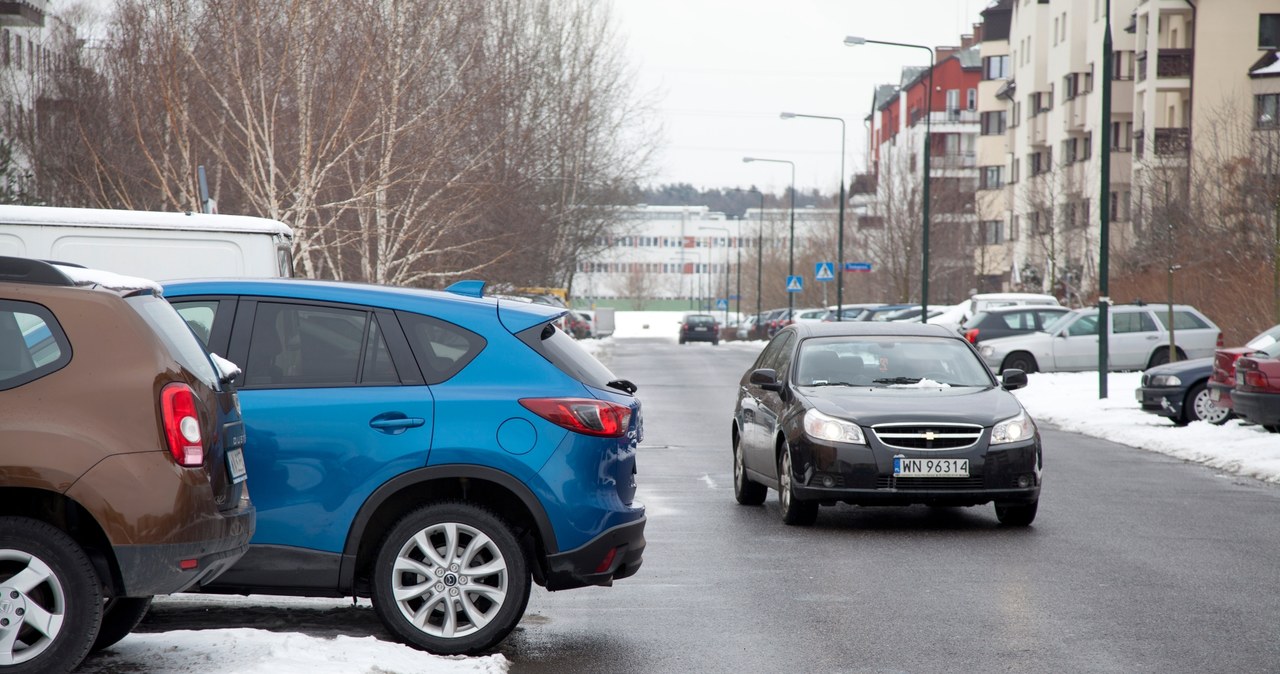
column 1174, row 63
column 23, row 13
column 1173, row 142
column 954, row 160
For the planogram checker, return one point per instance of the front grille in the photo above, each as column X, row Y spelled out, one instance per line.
column 928, row 436
column 936, row 483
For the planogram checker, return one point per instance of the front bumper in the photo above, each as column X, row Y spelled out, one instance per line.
column 1260, row 408
column 613, row 555
column 1165, row 401
column 863, row 474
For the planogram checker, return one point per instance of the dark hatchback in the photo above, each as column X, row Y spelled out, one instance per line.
column 1006, row 321
column 882, row 414
column 699, row 328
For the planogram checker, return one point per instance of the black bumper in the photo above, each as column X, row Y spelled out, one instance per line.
column 585, row 565
column 1165, row 401
column 148, row 570
column 863, row 475
column 1260, row 408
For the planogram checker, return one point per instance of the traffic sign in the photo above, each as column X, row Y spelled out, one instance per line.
column 722, row 303
column 824, row 271
column 857, row 266
column 795, row 284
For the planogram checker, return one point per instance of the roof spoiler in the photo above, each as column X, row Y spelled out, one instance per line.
column 467, row 288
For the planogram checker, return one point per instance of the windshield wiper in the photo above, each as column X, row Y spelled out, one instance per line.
column 623, row 385
column 831, row 383
column 897, row 380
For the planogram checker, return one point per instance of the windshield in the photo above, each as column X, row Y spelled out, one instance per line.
column 889, row 362
column 1060, row 321
column 699, row 320
column 1266, row 339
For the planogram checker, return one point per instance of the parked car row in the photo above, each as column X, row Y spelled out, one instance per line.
column 438, row 452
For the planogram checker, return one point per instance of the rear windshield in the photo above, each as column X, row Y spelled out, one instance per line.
column 699, row 320
column 566, row 354
column 176, row 336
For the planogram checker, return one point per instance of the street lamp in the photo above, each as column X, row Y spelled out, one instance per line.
column 759, row 259
column 852, row 41
column 726, row 265
column 791, row 254
column 840, row 235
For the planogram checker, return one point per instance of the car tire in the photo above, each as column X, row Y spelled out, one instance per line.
column 744, row 490
column 119, row 616
column 61, row 582
column 1200, row 407
column 715, row 342
column 1161, row 357
column 795, row 512
column 437, row 604
column 1272, row 429
column 682, row 340
column 1019, row 360
column 1017, row 514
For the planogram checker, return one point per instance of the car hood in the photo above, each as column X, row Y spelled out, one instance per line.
column 869, row 406
column 1196, row 367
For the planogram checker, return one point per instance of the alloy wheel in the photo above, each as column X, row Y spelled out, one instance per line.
column 1207, row 410
column 450, row 580
column 33, row 605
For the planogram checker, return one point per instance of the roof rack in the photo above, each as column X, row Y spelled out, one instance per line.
column 26, row 270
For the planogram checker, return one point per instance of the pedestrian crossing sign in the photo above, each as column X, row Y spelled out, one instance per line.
column 795, row 284
column 824, row 271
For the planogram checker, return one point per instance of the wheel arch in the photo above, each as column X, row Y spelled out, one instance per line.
column 59, row 510
column 1164, row 348
column 506, row 495
column 1004, row 364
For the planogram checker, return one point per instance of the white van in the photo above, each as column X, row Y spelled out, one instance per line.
column 153, row 245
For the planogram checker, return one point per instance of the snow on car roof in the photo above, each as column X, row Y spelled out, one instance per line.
column 115, row 218
column 109, row 280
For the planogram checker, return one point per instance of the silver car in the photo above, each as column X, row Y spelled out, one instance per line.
column 1138, row 339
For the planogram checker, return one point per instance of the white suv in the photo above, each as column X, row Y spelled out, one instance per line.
column 1138, row 339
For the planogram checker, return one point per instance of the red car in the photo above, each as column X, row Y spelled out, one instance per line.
column 1257, row 393
column 1223, row 378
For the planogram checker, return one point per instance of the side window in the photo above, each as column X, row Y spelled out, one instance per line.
column 1133, row 321
column 1182, row 320
column 32, row 344
column 778, row 353
column 199, row 316
column 1084, row 326
column 442, row 349
column 298, row 345
column 1047, row 317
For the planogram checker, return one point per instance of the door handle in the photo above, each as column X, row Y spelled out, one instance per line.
column 395, row 423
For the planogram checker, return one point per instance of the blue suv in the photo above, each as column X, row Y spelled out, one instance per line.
column 434, row 451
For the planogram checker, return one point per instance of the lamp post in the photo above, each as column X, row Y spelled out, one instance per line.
column 1104, row 210
column 840, row 234
column 726, row 265
column 791, row 254
column 852, row 41
column 759, row 259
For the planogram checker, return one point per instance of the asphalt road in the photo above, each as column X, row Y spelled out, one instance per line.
column 1136, row 563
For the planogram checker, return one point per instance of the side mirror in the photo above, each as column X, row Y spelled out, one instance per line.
column 1013, row 379
column 766, row 379
column 227, row 370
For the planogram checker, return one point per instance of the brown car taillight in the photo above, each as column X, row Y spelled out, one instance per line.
column 582, row 415
column 182, row 424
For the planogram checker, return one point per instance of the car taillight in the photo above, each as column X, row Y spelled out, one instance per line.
column 1256, row 379
column 582, row 415
column 182, row 424
column 1219, row 340
column 972, row 335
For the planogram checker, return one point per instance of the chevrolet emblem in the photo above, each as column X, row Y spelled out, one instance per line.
column 929, row 436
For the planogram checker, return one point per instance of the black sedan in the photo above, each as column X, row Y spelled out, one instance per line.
column 882, row 414
column 1178, row 390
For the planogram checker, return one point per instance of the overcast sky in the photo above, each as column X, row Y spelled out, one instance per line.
column 719, row 72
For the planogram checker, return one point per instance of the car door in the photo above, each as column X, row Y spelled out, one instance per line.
column 770, row 405
column 1075, row 347
column 755, row 414
column 333, row 405
column 1133, row 336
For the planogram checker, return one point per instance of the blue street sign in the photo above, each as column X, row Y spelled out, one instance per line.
column 795, row 284
column 824, row 271
column 857, row 266
column 722, row 303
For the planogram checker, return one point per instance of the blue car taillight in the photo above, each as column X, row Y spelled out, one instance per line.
column 582, row 415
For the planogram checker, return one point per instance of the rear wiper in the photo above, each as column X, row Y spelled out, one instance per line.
column 623, row 385
column 897, row 380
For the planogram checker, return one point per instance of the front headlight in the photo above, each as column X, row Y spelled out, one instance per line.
column 987, row 351
column 1163, row 380
column 819, row 426
column 1017, row 428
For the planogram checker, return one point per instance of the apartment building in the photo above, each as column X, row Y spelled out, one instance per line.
column 903, row 114
column 992, row 253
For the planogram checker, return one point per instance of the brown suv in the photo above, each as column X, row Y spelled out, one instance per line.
column 121, row 461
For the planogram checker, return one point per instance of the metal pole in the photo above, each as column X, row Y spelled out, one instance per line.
column 759, row 263
column 739, row 269
column 840, row 233
column 791, row 254
column 1104, row 203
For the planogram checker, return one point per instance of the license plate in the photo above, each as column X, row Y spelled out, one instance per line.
column 1138, row 394
column 903, row 467
column 1214, row 394
column 700, row 329
column 235, row 465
